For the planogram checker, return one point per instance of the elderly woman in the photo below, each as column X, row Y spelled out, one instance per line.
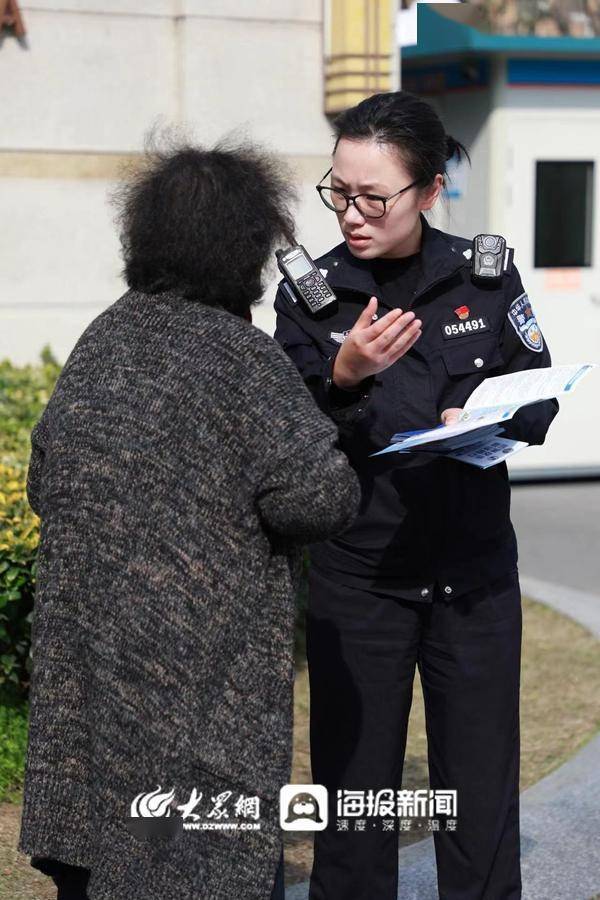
column 178, row 468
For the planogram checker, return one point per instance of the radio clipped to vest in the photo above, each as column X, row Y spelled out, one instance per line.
column 303, row 282
column 491, row 258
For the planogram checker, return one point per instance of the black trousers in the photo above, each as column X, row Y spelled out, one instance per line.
column 71, row 881
column 362, row 649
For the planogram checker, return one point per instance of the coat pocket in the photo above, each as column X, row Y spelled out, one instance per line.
column 473, row 356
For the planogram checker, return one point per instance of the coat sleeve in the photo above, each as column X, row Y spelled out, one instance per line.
column 36, row 466
column 306, row 488
column 343, row 407
column 310, row 495
column 530, row 423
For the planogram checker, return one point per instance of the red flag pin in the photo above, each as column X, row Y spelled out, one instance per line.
column 462, row 312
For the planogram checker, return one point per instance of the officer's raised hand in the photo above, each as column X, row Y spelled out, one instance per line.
column 370, row 347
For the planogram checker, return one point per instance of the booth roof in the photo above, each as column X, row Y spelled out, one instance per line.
column 442, row 36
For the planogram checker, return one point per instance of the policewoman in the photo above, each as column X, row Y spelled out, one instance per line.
column 426, row 576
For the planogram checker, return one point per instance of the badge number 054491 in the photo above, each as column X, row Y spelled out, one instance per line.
column 474, row 325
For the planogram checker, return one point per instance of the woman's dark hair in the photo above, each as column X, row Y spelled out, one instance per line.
column 204, row 222
column 407, row 123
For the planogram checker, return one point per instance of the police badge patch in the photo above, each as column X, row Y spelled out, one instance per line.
column 522, row 318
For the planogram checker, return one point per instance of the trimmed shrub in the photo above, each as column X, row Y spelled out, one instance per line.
column 24, row 392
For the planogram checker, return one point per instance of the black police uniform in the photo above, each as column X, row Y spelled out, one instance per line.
column 425, row 576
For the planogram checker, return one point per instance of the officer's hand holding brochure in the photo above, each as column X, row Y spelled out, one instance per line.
column 475, row 437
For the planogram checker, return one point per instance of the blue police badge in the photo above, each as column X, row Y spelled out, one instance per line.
column 522, row 318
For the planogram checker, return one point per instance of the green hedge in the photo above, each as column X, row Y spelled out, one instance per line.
column 24, row 392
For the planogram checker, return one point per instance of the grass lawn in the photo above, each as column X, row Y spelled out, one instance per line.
column 560, row 711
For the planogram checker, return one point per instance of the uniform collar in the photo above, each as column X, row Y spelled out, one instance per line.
column 441, row 257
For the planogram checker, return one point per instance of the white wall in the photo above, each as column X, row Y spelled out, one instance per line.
column 91, row 79
column 465, row 116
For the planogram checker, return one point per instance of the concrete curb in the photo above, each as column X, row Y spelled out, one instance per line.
column 559, row 814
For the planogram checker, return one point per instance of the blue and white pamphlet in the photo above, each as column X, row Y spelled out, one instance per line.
column 476, row 437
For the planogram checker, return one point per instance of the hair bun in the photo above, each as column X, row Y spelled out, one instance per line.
column 451, row 147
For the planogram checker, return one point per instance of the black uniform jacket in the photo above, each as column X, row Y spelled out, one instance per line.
column 422, row 519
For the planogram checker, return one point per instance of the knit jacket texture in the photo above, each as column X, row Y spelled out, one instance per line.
column 178, row 469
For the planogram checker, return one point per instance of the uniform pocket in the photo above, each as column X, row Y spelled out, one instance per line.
column 472, row 356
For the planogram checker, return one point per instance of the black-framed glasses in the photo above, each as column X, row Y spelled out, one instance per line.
column 372, row 206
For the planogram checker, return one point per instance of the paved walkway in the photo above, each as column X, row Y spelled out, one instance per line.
column 557, row 528
column 558, row 531
column 559, row 839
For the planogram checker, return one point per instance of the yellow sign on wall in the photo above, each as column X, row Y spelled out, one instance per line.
column 361, row 51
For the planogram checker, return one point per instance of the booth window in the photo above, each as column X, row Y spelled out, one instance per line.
column 564, row 197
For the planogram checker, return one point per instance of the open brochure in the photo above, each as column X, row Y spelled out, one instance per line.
column 476, row 437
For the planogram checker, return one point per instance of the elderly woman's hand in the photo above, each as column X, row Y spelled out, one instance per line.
column 450, row 415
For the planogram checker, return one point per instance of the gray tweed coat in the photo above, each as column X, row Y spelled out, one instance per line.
column 178, row 468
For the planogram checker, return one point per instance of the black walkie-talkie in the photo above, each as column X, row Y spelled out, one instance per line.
column 305, row 282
